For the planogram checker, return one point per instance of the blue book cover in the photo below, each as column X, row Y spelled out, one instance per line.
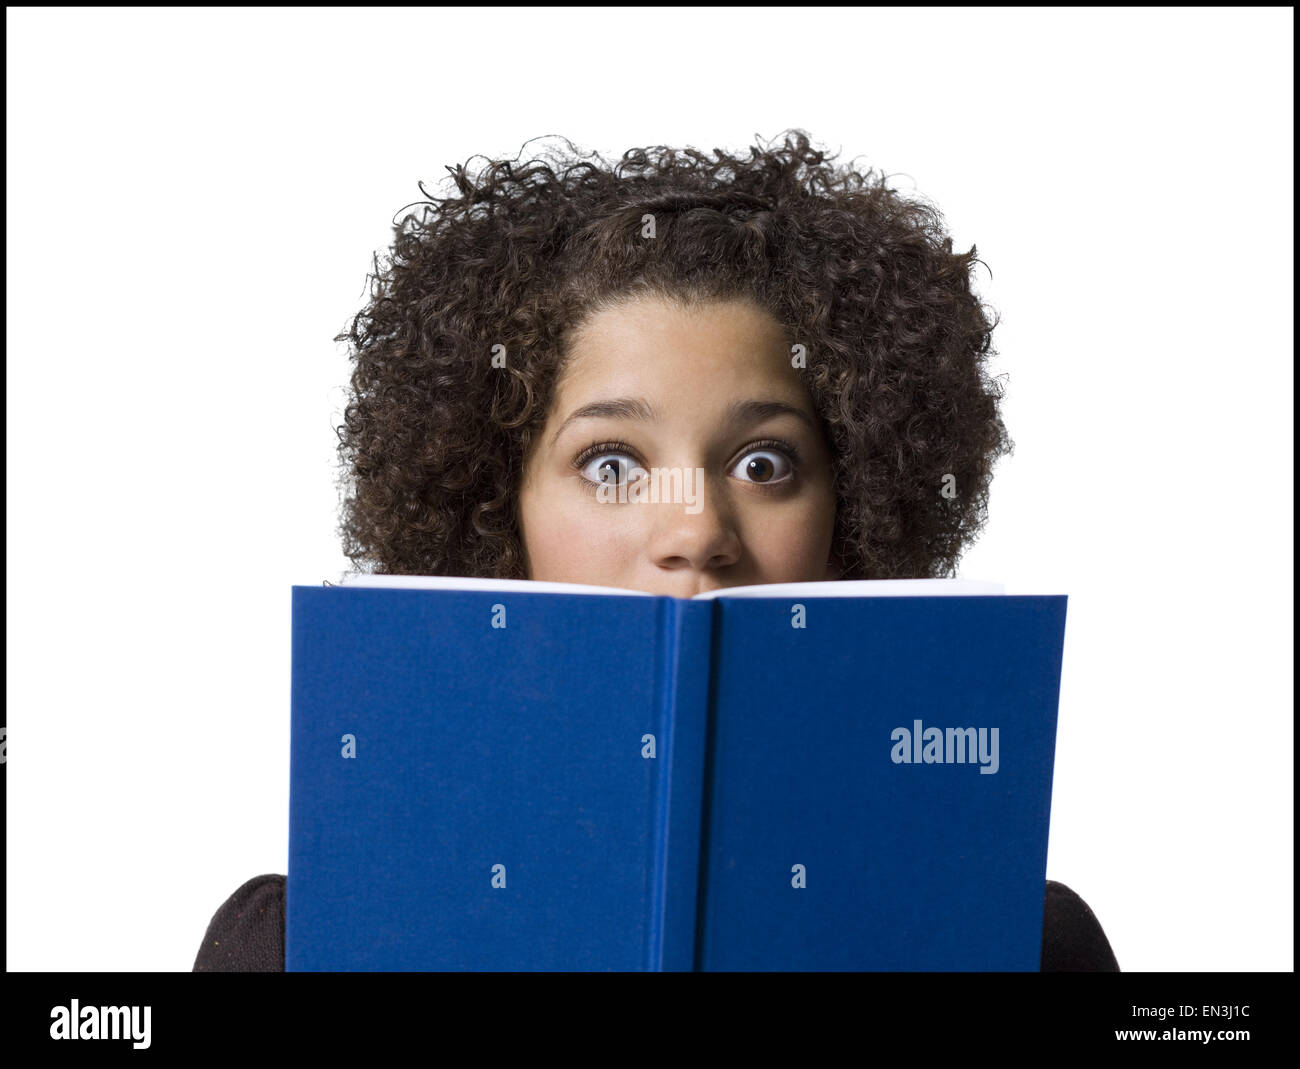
column 516, row 776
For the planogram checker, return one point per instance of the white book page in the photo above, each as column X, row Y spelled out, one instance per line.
column 457, row 582
column 846, row 588
column 859, row 588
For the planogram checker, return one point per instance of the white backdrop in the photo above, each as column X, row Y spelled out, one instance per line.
column 194, row 197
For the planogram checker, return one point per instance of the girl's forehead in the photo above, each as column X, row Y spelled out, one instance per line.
column 656, row 342
column 721, row 316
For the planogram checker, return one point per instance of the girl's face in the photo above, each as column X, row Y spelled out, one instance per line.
column 707, row 403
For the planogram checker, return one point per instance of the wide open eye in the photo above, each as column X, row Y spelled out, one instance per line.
column 763, row 466
column 613, row 469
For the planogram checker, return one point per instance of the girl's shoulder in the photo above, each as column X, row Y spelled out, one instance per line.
column 1072, row 937
column 247, row 933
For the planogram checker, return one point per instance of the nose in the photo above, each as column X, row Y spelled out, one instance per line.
column 694, row 531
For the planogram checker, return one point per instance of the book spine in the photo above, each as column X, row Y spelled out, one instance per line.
column 684, row 652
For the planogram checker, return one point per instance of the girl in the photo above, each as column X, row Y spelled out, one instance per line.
column 796, row 334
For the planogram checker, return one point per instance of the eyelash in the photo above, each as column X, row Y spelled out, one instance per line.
column 600, row 448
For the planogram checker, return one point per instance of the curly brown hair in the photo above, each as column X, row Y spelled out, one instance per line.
column 436, row 432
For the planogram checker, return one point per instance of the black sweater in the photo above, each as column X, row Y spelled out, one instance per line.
column 247, row 932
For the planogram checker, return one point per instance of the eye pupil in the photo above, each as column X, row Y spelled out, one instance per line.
column 609, row 472
column 760, row 469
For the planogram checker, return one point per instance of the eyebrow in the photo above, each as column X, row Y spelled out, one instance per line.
column 640, row 409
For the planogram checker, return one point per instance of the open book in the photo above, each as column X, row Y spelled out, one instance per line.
column 508, row 775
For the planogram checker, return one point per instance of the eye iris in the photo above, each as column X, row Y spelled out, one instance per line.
column 608, row 472
column 760, row 469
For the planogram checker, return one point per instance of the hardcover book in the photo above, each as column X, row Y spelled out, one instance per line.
column 511, row 775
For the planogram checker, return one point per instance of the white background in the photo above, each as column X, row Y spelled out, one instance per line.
column 194, row 197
